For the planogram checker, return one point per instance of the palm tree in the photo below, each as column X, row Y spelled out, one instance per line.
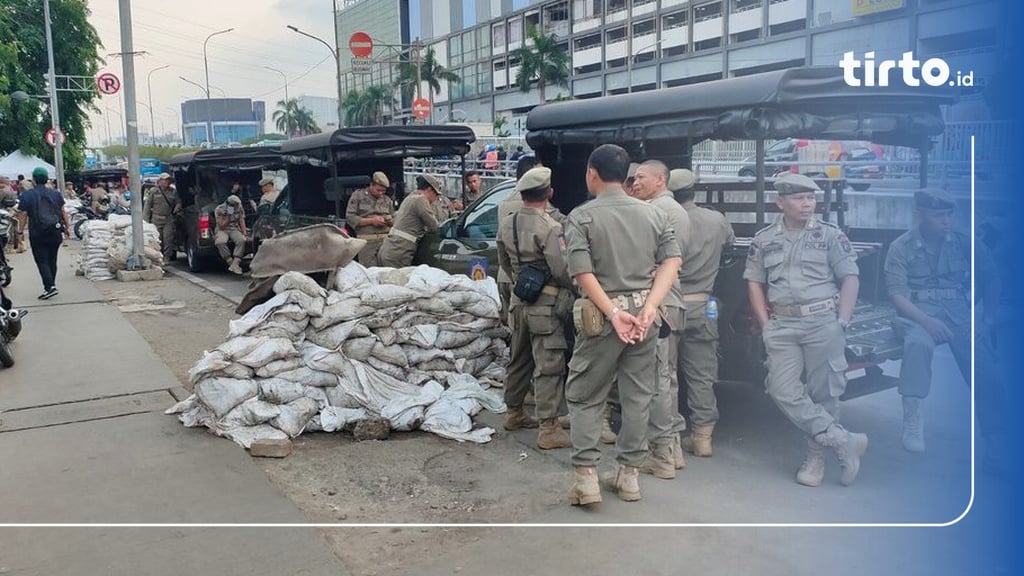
column 294, row 120
column 430, row 71
column 546, row 62
column 366, row 108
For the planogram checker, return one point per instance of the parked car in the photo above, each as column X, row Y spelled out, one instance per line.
column 793, row 154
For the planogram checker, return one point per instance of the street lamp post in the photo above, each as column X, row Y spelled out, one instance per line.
column 58, row 146
column 285, row 81
column 334, row 52
column 206, row 67
column 149, row 85
column 151, row 128
column 629, row 63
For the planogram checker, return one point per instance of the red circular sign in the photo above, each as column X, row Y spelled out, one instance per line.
column 421, row 108
column 51, row 137
column 361, row 45
column 108, row 83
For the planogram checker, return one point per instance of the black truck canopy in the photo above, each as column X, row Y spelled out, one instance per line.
column 266, row 157
column 380, row 142
column 808, row 102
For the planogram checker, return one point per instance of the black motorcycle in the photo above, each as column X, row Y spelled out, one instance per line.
column 10, row 327
column 85, row 213
column 8, row 228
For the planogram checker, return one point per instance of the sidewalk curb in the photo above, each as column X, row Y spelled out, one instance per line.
column 208, row 286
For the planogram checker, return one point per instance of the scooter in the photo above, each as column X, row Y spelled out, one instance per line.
column 10, row 327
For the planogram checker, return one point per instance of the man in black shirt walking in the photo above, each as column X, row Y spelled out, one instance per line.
column 41, row 209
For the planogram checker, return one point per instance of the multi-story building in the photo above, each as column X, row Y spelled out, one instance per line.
column 323, row 109
column 617, row 46
column 232, row 119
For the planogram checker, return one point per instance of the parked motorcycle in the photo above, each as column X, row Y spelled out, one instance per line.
column 8, row 228
column 10, row 327
column 83, row 214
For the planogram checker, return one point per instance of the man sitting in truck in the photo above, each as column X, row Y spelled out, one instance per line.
column 231, row 228
column 371, row 213
column 928, row 273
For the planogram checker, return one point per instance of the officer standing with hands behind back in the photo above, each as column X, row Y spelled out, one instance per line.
column 623, row 254
column 809, row 270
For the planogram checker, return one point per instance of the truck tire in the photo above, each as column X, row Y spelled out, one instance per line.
column 78, row 227
column 195, row 261
column 5, row 353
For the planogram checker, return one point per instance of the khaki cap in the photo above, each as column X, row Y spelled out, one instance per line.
column 792, row 183
column 934, row 199
column 434, row 182
column 267, row 180
column 537, row 177
column 234, row 200
column 164, row 176
column 381, row 179
column 680, row 179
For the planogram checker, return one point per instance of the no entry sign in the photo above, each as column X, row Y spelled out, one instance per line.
column 361, row 45
column 421, row 108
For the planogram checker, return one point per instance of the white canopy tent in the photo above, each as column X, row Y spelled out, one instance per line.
column 18, row 162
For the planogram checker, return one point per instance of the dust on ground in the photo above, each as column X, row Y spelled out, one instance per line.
column 412, row 477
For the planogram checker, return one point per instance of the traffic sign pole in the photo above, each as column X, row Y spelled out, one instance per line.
column 138, row 260
column 58, row 148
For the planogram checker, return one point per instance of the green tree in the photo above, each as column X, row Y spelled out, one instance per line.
column 366, row 108
column 501, row 127
column 292, row 119
column 430, row 71
column 544, row 61
column 24, row 66
column 164, row 153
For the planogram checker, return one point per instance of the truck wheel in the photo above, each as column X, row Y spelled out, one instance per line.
column 195, row 262
column 5, row 353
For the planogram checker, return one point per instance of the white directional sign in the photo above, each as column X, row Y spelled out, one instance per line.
column 362, row 65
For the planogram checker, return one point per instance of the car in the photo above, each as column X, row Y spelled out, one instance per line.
column 779, row 155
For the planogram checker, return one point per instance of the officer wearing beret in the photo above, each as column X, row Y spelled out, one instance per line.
column 623, row 254
column 416, row 217
column 268, row 195
column 803, row 281
column 371, row 214
column 928, row 273
column 530, row 236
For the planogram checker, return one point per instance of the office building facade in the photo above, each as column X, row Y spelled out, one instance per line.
column 232, row 119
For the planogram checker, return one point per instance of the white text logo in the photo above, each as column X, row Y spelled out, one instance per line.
column 933, row 72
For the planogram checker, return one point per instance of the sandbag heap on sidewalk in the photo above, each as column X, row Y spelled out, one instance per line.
column 107, row 245
column 415, row 346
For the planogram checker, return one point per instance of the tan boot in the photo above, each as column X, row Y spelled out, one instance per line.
column 848, row 446
column 659, row 462
column 235, row 267
column 626, row 482
column 698, row 442
column 608, row 435
column 551, row 435
column 516, row 418
column 677, row 453
column 586, row 490
column 812, row 471
column 913, row 424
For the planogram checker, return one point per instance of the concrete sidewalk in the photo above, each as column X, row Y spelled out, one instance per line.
column 83, row 439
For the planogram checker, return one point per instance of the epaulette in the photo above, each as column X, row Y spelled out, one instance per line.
column 763, row 230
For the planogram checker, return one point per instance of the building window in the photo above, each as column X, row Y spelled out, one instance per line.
column 556, row 19
column 707, row 12
column 616, row 6
column 515, row 31
column 469, row 82
column 675, row 20
column 587, row 9
column 787, row 27
column 498, row 34
column 500, row 68
column 639, row 3
column 643, row 28
column 745, row 36
column 454, row 51
column 513, row 71
column 615, row 35
column 587, row 42
column 674, row 51
column 744, row 5
column 531, row 23
column 468, row 47
column 708, row 44
column 484, row 79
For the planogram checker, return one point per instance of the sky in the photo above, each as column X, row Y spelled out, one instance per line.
column 172, row 33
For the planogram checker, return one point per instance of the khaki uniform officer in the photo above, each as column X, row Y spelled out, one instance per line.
column 666, row 456
column 531, row 236
column 416, row 217
column 710, row 234
column 928, row 273
column 231, row 228
column 268, row 195
column 623, row 254
column 371, row 213
column 161, row 208
column 802, row 261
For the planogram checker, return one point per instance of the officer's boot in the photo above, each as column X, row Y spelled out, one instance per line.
column 698, row 442
column 517, row 418
column 551, row 435
column 236, row 266
column 659, row 462
column 608, row 435
column 586, row 490
column 812, row 471
column 848, row 446
column 677, row 453
column 626, row 482
column 913, row 424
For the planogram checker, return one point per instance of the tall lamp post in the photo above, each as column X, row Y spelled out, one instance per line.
column 206, row 67
column 337, row 60
column 58, row 146
column 285, row 81
column 149, row 85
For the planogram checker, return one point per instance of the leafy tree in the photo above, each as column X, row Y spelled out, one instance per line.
column 164, row 153
column 501, row 127
column 431, row 72
column 544, row 61
column 294, row 120
column 366, row 107
column 24, row 66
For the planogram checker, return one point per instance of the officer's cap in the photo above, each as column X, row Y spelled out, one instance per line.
column 434, row 182
column 234, row 200
column 793, row 183
column 535, row 178
column 934, row 199
column 381, row 179
column 164, row 176
column 680, row 179
column 265, row 181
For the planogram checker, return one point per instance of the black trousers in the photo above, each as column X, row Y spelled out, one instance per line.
column 44, row 252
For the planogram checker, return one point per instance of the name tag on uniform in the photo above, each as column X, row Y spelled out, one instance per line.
column 816, row 245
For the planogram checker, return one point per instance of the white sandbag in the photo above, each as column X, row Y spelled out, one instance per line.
column 221, row 395
column 389, row 369
column 372, row 388
column 249, row 413
column 472, row 349
column 391, row 276
column 272, row 369
column 238, row 371
column 413, row 318
column 300, row 282
column 484, row 308
column 210, row 363
column 387, row 296
column 333, row 337
column 274, row 332
column 339, row 398
column 423, row 335
column 244, row 436
column 407, row 413
column 268, row 351
column 318, row 395
column 492, row 371
column 359, row 348
column 341, row 311
column 391, row 354
column 294, row 416
column 450, row 339
column 322, row 359
column 433, row 305
column 417, row 355
column 386, row 335
column 428, row 281
column 499, row 332
column 280, row 391
column 352, row 277
column 185, row 405
column 383, row 317
column 487, row 287
column 467, row 323
column 239, row 346
column 309, row 377
column 439, row 364
column 333, row 419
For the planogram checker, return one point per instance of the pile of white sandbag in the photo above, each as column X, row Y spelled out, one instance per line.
column 107, row 245
column 415, row 346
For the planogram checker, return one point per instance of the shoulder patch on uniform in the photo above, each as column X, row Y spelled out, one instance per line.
column 844, row 243
column 752, row 251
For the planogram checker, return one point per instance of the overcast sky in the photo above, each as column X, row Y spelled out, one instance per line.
column 172, row 33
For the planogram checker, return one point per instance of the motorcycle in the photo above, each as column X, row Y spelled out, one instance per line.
column 8, row 228
column 83, row 214
column 10, row 327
